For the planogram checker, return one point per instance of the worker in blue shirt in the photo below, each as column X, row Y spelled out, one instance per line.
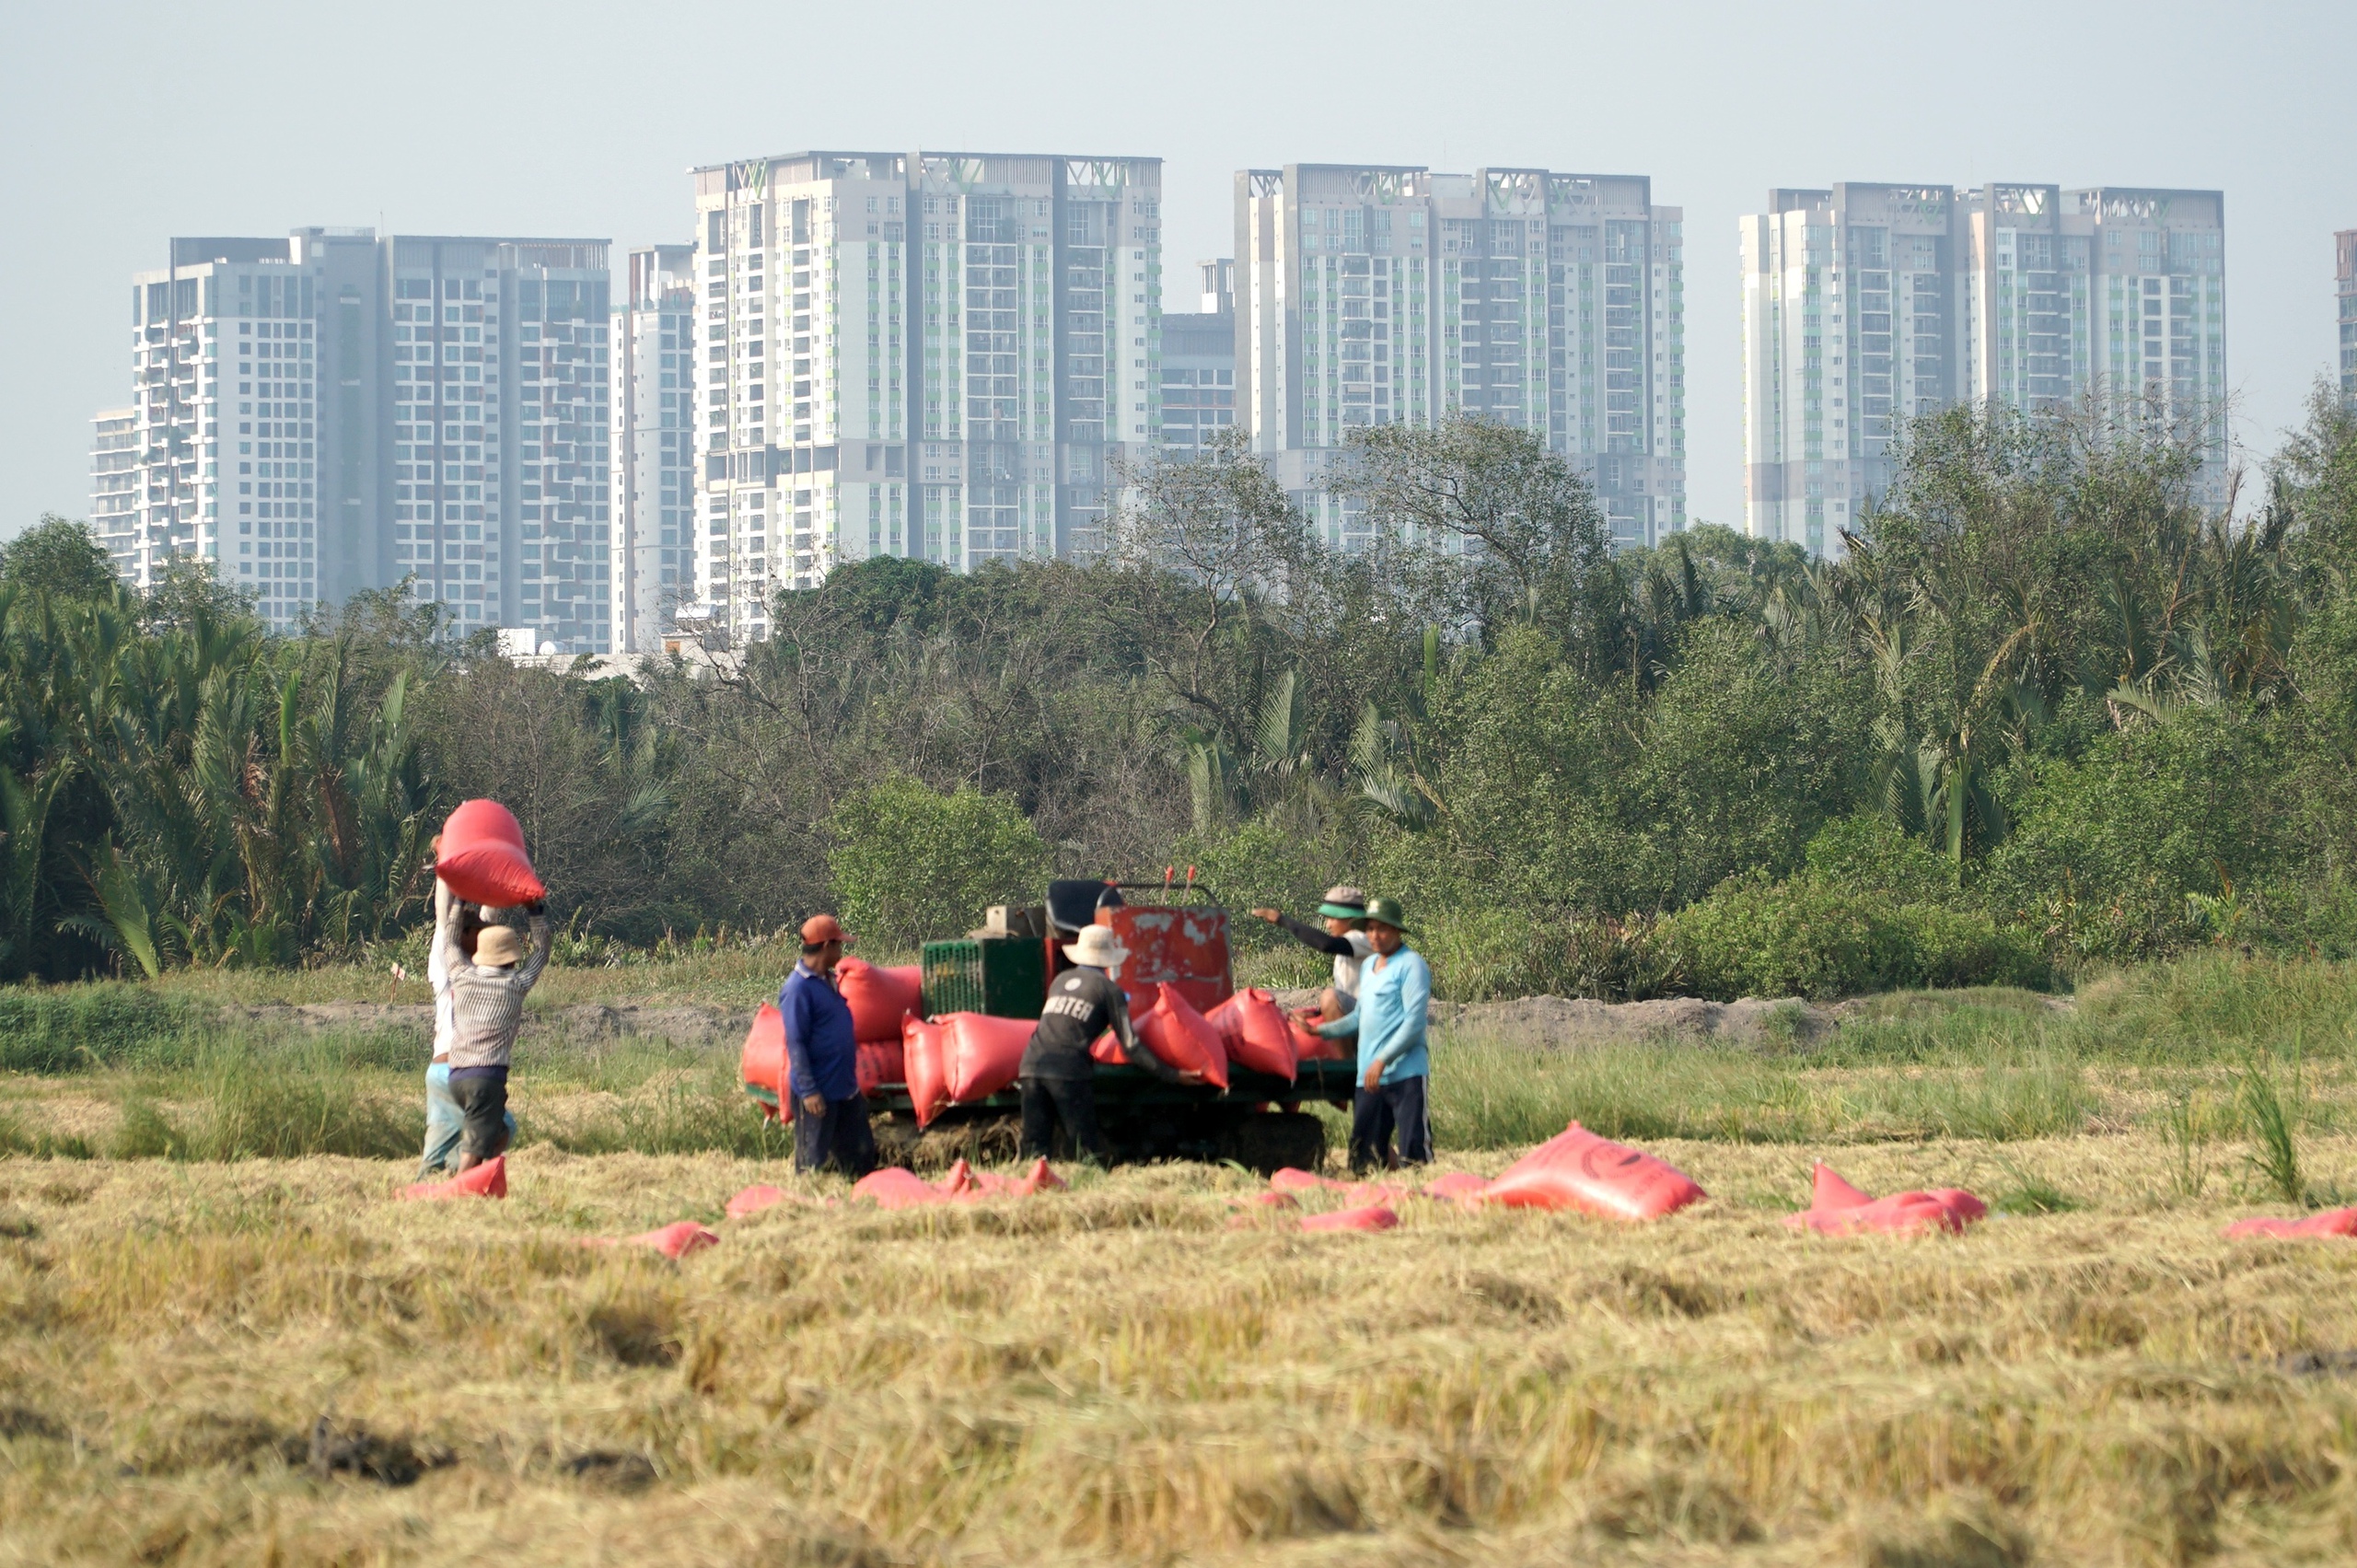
column 822, row 1057
column 1395, row 997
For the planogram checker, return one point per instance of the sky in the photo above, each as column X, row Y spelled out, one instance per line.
column 121, row 125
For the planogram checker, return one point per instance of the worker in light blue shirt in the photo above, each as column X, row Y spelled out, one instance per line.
column 1395, row 997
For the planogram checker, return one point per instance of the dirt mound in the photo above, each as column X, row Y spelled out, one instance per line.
column 1566, row 1023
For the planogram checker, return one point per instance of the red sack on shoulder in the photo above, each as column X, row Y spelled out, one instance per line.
column 482, row 857
column 1183, row 1038
column 922, row 1045
column 1576, row 1169
column 879, row 997
column 981, row 1055
column 1254, row 1032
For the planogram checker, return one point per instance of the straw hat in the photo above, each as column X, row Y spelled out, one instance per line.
column 1097, row 947
column 498, row 945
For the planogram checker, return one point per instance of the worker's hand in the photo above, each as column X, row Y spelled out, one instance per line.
column 537, row 908
column 1269, row 915
column 1374, row 1076
column 815, row 1104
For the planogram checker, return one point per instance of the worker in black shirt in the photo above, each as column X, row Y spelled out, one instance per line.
column 1058, row 1075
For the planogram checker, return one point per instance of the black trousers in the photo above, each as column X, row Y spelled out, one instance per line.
column 483, row 1103
column 1071, row 1101
column 840, row 1134
column 1376, row 1117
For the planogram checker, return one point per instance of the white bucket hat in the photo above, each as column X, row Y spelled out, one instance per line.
column 1097, row 946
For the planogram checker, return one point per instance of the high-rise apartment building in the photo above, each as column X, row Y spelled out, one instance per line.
column 1553, row 302
column 1867, row 305
column 1198, row 365
column 114, row 505
column 653, row 444
column 936, row 355
column 336, row 409
column 2344, row 246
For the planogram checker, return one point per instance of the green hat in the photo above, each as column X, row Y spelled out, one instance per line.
column 1386, row 912
column 1343, row 902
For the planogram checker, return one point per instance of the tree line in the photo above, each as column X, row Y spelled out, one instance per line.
column 2049, row 708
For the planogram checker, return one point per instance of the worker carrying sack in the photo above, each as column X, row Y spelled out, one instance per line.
column 1255, row 1033
column 482, row 857
column 879, row 997
column 1576, row 1169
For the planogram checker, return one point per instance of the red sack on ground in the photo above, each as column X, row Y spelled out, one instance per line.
column 1182, row 1038
column 482, row 856
column 879, row 997
column 488, row 1179
column 967, row 1183
column 761, row 1063
column 1836, row 1208
column 675, row 1241
column 1576, row 1169
column 921, row 1051
column 1374, row 1216
column 1254, row 1033
column 1363, row 1193
column 893, row 1187
column 756, row 1198
column 2332, row 1221
column 1308, row 1045
column 980, row 1054
column 1288, row 1180
column 1455, row 1187
column 881, row 1061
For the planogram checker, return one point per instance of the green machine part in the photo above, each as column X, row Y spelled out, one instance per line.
column 1004, row 976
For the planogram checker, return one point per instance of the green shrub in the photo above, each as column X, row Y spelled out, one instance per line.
column 1805, row 937
column 911, row 864
column 70, row 1027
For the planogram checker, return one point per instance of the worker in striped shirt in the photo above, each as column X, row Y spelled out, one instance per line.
column 487, row 996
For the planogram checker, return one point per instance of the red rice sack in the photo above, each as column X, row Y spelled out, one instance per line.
column 482, row 856
column 1308, row 1045
column 1374, row 1216
column 762, row 1061
column 1836, row 1208
column 675, row 1241
column 881, row 1061
column 1183, row 1038
column 1255, row 1033
column 2332, row 1221
column 921, row 1053
column 880, row 997
column 980, row 1054
column 1576, row 1169
column 488, row 1179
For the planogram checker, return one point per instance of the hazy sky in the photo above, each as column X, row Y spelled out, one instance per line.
column 122, row 125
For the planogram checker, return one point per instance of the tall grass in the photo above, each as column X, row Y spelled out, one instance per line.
column 1491, row 1094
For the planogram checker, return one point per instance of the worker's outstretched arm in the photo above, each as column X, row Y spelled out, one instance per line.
column 1415, row 1003
column 437, row 963
column 447, row 912
column 1309, row 935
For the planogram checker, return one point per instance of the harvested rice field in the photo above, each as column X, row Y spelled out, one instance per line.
column 274, row 1361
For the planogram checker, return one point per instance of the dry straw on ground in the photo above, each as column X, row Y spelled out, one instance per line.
column 274, row 1361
